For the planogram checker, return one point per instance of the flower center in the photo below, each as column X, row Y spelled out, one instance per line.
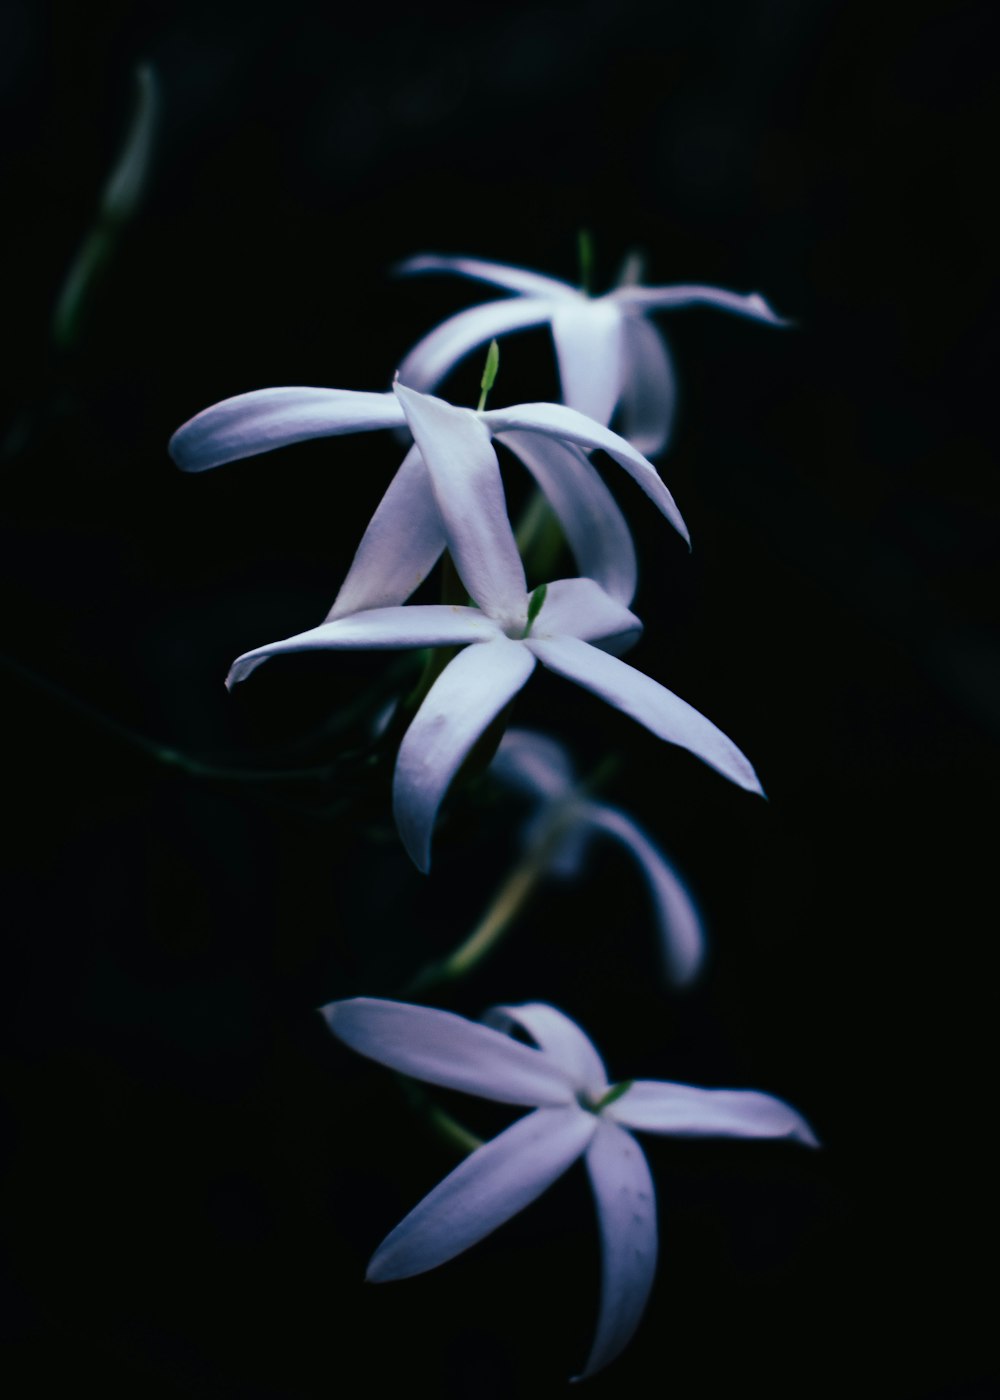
column 608, row 1097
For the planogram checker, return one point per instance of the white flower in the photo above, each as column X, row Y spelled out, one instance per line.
column 572, row 632
column 406, row 535
column 540, row 767
column 608, row 353
column 578, row 1113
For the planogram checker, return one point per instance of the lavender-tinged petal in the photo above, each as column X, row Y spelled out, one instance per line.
column 651, row 704
column 751, row 305
column 447, row 345
column 462, row 703
column 595, row 529
column 514, row 279
column 559, row 1038
column 249, row 424
column 465, row 474
column 379, row 629
column 649, row 387
column 589, row 350
column 534, row 764
column 682, row 1110
column 626, row 1216
column 558, row 421
column 682, row 933
column 496, row 1182
column 448, row 1050
column 579, row 607
column 403, row 542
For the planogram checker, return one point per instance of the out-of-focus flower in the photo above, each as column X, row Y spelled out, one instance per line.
column 540, row 767
column 577, row 1113
column 609, row 354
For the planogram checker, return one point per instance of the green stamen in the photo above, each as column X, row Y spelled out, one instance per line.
column 585, row 251
column 535, row 603
column 489, row 374
column 615, row 1092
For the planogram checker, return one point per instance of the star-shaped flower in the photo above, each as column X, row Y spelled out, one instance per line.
column 578, row 1113
column 571, row 626
column 608, row 353
column 540, row 767
column 406, row 535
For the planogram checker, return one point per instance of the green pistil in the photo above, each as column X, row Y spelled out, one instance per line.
column 615, row 1092
column 489, row 374
column 534, row 608
column 585, row 250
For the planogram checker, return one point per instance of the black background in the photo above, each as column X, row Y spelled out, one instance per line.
column 194, row 1174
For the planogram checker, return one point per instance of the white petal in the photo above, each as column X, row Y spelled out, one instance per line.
column 752, row 304
column 665, row 714
column 556, row 420
column 403, row 542
column 442, row 1048
column 533, row 763
column 514, row 279
column 589, row 350
column 682, row 933
column 595, row 529
column 649, row 387
column 268, row 418
column 626, row 1216
column 464, row 700
column 449, row 343
column 579, row 607
column 380, row 629
column 465, row 474
column 559, row 1038
column 685, row 1111
column 495, row 1182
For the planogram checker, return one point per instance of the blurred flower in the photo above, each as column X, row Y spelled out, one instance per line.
column 608, row 353
column 578, row 1113
column 539, row 767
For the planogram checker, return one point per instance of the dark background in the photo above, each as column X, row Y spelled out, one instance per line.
column 194, row 1174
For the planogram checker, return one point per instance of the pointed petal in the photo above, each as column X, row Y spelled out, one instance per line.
column 665, row 714
column 649, row 387
column 451, row 1051
column 464, row 700
column 556, row 420
column 494, row 1183
column 751, row 305
column 595, row 529
column 465, row 474
column 626, row 1216
column 249, row 424
column 514, row 279
column 380, row 629
column 685, row 1111
column 579, row 607
column 449, row 343
column 533, row 764
column 682, row 933
column 403, row 542
column 559, row 1038
column 589, row 349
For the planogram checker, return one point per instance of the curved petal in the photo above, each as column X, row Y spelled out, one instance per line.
column 403, row 542
column 579, row 607
column 660, row 710
column 685, row 1111
column 534, row 764
column 495, row 1182
column 595, row 529
column 514, row 279
column 464, row 700
column 556, row 420
column 649, row 387
column 626, row 1216
column 249, row 424
column 588, row 337
column 682, row 933
column 379, row 629
column 451, row 1051
column 751, row 304
column 439, row 352
column 465, row 475
column 560, row 1039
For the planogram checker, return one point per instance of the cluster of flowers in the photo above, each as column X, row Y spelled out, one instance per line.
column 448, row 496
